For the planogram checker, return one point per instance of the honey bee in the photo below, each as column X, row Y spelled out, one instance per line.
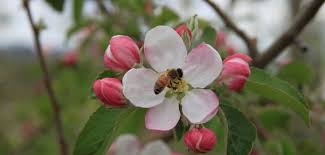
column 171, row 78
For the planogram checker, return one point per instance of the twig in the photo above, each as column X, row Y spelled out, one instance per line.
column 47, row 82
column 300, row 21
column 250, row 42
column 102, row 7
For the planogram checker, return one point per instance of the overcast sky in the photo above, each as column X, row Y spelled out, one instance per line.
column 265, row 19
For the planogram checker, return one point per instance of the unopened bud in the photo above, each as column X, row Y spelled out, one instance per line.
column 200, row 140
column 121, row 54
column 235, row 71
column 70, row 59
column 109, row 91
column 185, row 33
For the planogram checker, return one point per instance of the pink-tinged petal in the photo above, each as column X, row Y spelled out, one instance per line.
column 124, row 50
column 112, row 63
column 138, row 88
column 125, row 145
column 210, row 116
column 199, row 104
column 164, row 116
column 164, row 48
column 202, row 66
column 239, row 55
column 156, row 148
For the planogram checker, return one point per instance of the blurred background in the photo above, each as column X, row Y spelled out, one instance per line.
column 77, row 34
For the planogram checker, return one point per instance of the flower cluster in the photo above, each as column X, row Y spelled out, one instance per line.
column 171, row 80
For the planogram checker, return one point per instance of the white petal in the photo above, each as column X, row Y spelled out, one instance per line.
column 209, row 117
column 156, row 148
column 164, row 48
column 199, row 104
column 125, row 145
column 164, row 116
column 138, row 88
column 202, row 66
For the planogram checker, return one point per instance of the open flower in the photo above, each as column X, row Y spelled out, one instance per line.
column 164, row 50
column 129, row 145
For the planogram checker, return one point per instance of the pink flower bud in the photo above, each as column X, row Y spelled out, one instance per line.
column 183, row 30
column 70, row 58
column 230, row 50
column 185, row 33
column 235, row 71
column 121, row 54
column 200, row 140
column 220, row 39
column 109, row 91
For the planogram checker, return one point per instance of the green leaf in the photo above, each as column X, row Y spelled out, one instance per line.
column 77, row 10
column 193, row 25
column 241, row 132
column 56, row 4
column 275, row 89
column 180, row 129
column 296, row 73
column 106, row 73
column 273, row 118
column 104, row 126
column 209, row 35
column 281, row 146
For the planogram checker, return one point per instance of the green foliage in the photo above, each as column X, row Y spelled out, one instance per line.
column 77, row 10
column 281, row 146
column 209, row 35
column 104, row 126
column 296, row 73
column 241, row 132
column 275, row 89
column 106, row 73
column 166, row 15
column 193, row 25
column 180, row 129
column 56, row 4
column 135, row 6
column 273, row 118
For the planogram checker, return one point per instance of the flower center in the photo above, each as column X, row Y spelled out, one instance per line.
column 173, row 79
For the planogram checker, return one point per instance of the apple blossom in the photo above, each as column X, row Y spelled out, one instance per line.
column 200, row 140
column 235, row 71
column 121, row 54
column 129, row 145
column 109, row 91
column 164, row 49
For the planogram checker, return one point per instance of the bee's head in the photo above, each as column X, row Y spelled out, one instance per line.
column 179, row 72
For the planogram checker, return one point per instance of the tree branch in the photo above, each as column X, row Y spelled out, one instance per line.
column 103, row 8
column 250, row 43
column 47, row 82
column 300, row 21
